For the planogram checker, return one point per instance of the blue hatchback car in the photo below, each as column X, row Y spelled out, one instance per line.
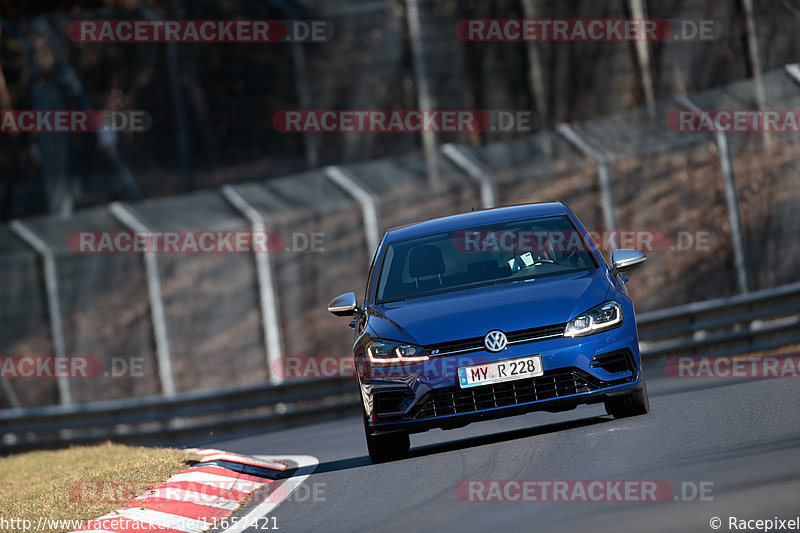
column 490, row 314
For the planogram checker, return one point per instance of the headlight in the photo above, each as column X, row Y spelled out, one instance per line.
column 387, row 352
column 604, row 316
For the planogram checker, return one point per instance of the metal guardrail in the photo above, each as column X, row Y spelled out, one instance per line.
column 727, row 326
column 194, row 416
column 745, row 323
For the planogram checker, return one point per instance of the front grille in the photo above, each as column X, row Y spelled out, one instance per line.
column 535, row 334
column 450, row 347
column 553, row 384
column 520, row 336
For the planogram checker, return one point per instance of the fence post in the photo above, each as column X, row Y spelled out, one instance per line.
column 643, row 57
column 53, row 300
column 536, row 78
column 369, row 204
column 603, row 173
column 731, row 201
column 458, row 155
column 267, row 292
column 422, row 84
column 125, row 215
column 754, row 51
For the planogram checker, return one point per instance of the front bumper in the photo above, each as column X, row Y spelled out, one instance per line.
column 426, row 395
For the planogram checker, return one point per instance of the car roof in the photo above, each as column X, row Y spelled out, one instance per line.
column 475, row 218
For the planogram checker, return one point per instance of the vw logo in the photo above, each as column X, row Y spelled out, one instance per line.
column 495, row 341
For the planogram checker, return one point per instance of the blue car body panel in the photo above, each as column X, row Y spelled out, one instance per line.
column 415, row 390
column 506, row 307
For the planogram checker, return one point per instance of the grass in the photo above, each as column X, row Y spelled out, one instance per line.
column 82, row 482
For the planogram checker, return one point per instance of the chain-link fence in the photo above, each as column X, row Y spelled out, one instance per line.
column 228, row 319
column 728, row 202
column 212, row 104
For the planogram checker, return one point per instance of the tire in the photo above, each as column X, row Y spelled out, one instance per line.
column 633, row 404
column 388, row 447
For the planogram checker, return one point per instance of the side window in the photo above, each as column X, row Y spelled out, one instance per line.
column 369, row 278
column 386, row 266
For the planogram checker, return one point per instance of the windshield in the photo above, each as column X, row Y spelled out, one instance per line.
column 510, row 252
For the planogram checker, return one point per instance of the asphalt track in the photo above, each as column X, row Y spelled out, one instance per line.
column 740, row 439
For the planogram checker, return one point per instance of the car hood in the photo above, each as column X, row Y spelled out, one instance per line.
column 474, row 312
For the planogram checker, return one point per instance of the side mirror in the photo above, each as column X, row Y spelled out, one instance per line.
column 344, row 305
column 626, row 259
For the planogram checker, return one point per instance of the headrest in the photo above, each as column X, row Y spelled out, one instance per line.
column 425, row 260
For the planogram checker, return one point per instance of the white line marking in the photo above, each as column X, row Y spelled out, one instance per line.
column 241, row 459
column 306, row 466
column 213, row 480
column 219, row 471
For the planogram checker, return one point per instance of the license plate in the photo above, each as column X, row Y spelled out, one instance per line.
column 499, row 371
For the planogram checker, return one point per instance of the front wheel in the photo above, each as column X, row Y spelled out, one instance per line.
column 633, row 404
column 388, row 447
